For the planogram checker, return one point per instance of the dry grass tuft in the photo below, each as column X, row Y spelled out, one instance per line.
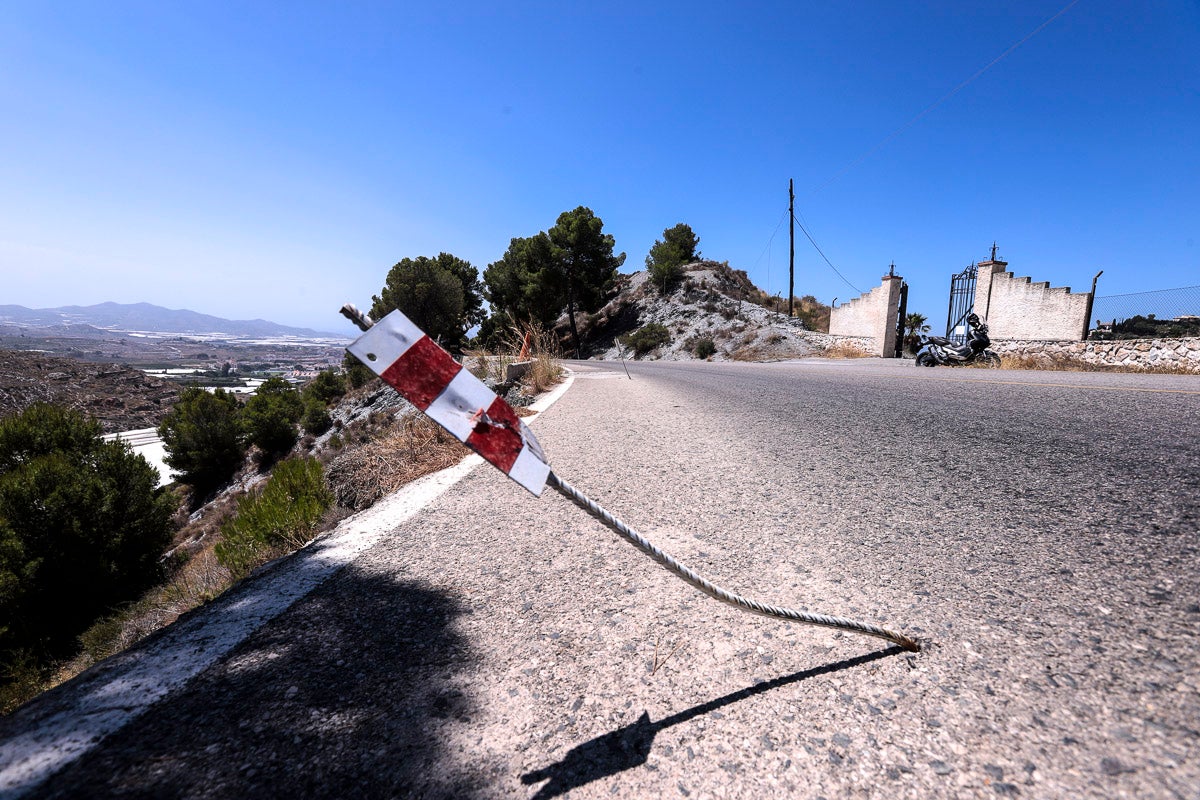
column 417, row 446
column 746, row 354
column 841, row 350
column 487, row 366
column 526, row 342
column 544, row 351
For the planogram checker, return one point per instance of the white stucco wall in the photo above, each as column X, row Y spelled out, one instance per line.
column 871, row 315
column 1018, row 308
column 1021, row 309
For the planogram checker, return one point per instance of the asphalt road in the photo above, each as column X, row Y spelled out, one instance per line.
column 1037, row 531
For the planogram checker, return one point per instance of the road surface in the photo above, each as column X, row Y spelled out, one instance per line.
column 1038, row 531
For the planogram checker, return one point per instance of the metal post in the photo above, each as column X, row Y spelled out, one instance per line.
column 351, row 312
column 950, row 308
column 791, row 245
column 1087, row 319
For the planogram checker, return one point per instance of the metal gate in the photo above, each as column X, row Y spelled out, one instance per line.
column 962, row 301
column 902, row 312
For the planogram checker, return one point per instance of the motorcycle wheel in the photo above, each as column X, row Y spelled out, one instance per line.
column 925, row 360
column 989, row 359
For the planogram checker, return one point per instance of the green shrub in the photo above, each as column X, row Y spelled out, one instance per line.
column 704, row 348
column 316, row 419
column 357, row 373
column 203, row 438
column 23, row 676
column 282, row 516
column 326, row 387
column 646, row 338
column 665, row 277
column 269, row 418
column 82, row 528
column 101, row 640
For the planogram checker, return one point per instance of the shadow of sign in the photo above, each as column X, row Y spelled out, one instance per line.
column 351, row 693
column 629, row 746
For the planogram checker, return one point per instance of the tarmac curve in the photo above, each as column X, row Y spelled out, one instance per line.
column 1037, row 531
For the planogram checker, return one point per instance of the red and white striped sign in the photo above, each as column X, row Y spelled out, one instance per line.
column 424, row 374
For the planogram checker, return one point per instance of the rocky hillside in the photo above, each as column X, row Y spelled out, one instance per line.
column 713, row 303
column 119, row 397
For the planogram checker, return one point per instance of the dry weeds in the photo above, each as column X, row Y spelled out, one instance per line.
column 752, row 352
column 1059, row 362
column 487, row 366
column 544, row 352
column 842, row 350
column 419, row 446
column 660, row 662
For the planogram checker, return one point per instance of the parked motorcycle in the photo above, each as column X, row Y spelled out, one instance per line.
column 938, row 350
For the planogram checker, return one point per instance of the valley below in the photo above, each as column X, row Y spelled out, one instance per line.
column 131, row 381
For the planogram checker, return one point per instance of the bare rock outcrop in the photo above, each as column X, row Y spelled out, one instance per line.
column 120, row 398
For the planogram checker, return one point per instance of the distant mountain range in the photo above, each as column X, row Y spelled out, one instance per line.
column 127, row 317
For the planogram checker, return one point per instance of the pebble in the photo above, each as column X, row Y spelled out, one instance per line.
column 1113, row 767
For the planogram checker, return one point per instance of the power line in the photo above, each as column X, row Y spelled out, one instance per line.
column 811, row 240
column 914, row 121
column 827, row 261
column 758, row 260
column 944, row 98
column 782, row 217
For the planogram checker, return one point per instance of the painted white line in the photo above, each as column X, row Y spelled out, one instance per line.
column 59, row 727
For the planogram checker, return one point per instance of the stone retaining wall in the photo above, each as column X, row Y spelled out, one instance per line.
column 1132, row 354
column 866, row 344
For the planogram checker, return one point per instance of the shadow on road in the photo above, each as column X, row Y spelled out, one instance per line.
column 349, row 694
column 629, row 746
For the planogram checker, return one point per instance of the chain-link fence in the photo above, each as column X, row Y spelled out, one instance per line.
column 1165, row 312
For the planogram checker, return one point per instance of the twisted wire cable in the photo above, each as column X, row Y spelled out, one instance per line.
column 711, row 589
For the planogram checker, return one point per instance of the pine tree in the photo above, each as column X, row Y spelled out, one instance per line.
column 668, row 256
column 83, row 526
column 203, row 438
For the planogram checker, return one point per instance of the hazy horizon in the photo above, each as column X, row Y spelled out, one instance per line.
column 92, row 306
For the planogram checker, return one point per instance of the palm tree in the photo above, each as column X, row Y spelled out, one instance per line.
column 914, row 326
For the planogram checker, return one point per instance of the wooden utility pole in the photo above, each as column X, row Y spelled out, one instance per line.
column 791, row 245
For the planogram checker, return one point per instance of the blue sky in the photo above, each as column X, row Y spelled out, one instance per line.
column 274, row 160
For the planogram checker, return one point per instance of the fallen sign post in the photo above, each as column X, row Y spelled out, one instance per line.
column 424, row 374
